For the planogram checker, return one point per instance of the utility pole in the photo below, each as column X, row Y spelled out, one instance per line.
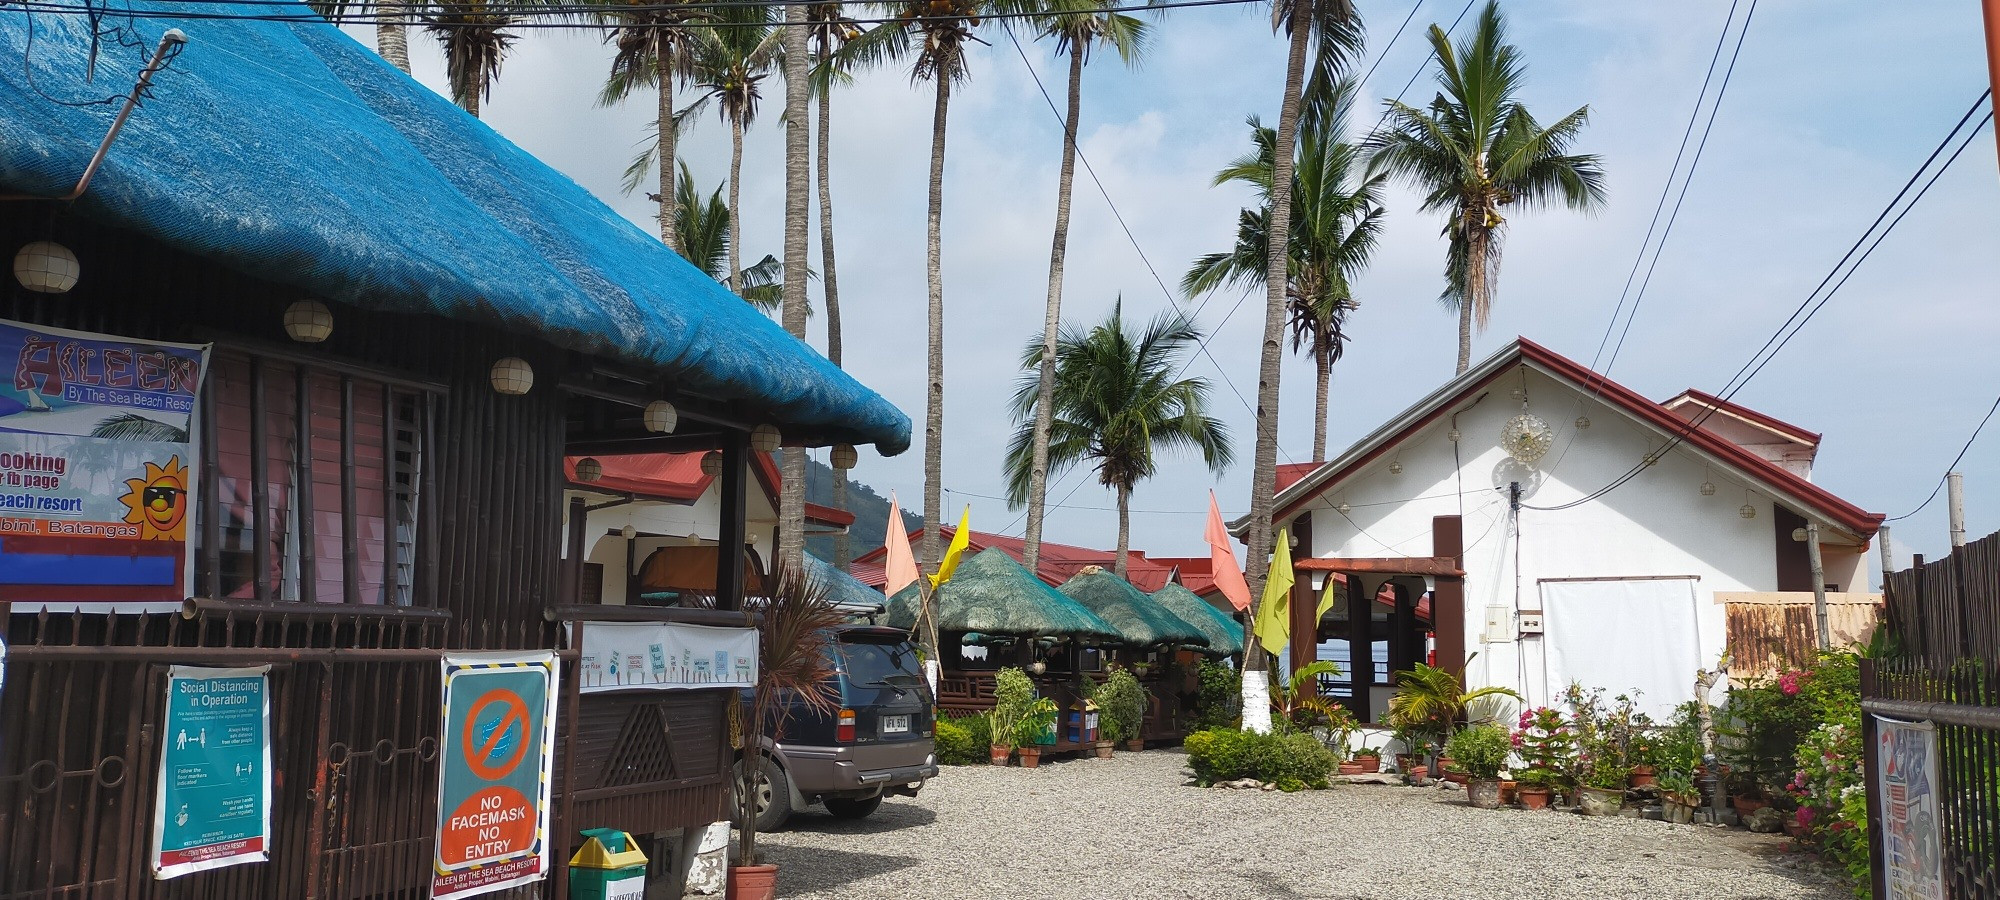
column 1954, row 494
column 1888, row 555
column 1819, row 586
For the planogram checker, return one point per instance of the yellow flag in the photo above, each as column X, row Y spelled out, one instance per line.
column 1326, row 599
column 959, row 539
column 1274, row 613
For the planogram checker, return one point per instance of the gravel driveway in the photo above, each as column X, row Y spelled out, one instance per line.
column 1126, row 828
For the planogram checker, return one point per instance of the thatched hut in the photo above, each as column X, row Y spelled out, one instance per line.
column 1149, row 634
column 1225, row 635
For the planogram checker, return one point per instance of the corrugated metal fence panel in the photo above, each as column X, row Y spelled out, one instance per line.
column 1766, row 638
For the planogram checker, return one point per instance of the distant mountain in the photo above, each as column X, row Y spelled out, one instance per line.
column 870, row 509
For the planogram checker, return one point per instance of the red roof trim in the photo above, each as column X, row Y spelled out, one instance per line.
column 1743, row 412
column 1846, row 514
column 828, row 515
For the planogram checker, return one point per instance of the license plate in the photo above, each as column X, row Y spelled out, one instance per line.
column 895, row 724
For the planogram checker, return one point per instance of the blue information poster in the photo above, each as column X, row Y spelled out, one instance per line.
column 498, row 749
column 214, row 806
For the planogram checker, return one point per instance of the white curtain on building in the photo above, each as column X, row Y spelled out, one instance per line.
column 1623, row 635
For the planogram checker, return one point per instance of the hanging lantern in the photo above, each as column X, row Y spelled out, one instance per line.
column 661, row 417
column 46, row 267
column 628, row 532
column 711, row 464
column 308, row 321
column 844, row 456
column 1582, row 423
column 513, row 376
column 1395, row 467
column 1343, row 508
column 1452, row 435
column 1526, row 438
column 1747, row 510
column 764, row 438
column 1037, row 667
column 693, row 540
column 588, row 469
column 1708, row 488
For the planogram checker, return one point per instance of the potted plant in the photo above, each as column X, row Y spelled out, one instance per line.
column 1013, row 693
column 1547, row 747
column 1678, row 797
column 1369, row 759
column 1405, row 737
column 1431, row 701
column 1121, row 704
column 1481, row 750
column 792, row 661
column 1033, row 729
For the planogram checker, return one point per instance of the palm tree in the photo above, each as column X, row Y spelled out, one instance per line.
column 475, row 40
column 653, row 47
column 1118, row 398
column 1076, row 25
column 1335, row 224
column 729, row 61
column 392, row 37
column 705, row 229
column 1475, row 150
column 792, row 312
column 937, row 31
column 1338, row 35
column 830, row 30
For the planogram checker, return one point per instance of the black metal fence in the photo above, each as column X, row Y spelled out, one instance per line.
column 1943, row 667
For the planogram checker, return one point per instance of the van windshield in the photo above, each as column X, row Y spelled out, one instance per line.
column 880, row 664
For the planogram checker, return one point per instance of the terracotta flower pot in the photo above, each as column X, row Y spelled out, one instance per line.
column 1484, row 793
column 1642, row 776
column 1135, row 745
column 1745, row 805
column 1348, row 768
column 999, row 754
column 1460, row 778
column 753, row 883
column 1031, row 757
column 1369, row 764
column 1533, row 797
column 1102, row 749
column 1600, row 801
column 1508, row 790
column 1405, row 762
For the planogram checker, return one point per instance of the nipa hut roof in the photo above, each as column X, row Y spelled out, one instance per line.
column 992, row 594
column 840, row 587
column 1225, row 635
column 1140, row 621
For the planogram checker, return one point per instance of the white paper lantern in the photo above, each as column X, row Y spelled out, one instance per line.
column 1582, row 422
column 1746, row 510
column 588, row 470
column 46, row 267
column 711, row 464
column 661, row 417
column 764, row 438
column 513, row 376
column 1526, row 438
column 308, row 321
column 1452, row 435
column 628, row 532
column 1395, row 467
column 1708, row 488
column 844, row 456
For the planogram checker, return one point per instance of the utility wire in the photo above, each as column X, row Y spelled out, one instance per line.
column 536, row 17
column 1954, row 463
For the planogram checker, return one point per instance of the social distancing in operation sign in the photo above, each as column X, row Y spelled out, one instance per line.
column 213, row 808
column 493, row 786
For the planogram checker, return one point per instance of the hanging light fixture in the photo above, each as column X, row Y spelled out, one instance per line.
column 693, row 540
column 588, row 469
column 46, row 267
column 1395, row 467
column 764, row 438
column 628, row 532
column 1582, row 423
column 513, row 376
column 308, row 321
column 661, row 417
column 711, row 463
column 1037, row 667
column 1343, row 508
column 1526, row 437
column 844, row 456
column 1747, row 511
column 1707, row 486
column 1452, row 435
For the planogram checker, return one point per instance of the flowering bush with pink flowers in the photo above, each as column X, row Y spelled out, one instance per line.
column 1546, row 744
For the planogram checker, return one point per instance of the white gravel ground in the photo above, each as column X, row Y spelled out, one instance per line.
column 1126, row 828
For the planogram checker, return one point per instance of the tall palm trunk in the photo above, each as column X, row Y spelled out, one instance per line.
column 1124, row 528
column 669, row 228
column 934, row 271
column 843, row 548
column 735, row 279
column 1264, row 473
column 1323, row 367
column 470, row 102
column 798, row 212
column 1478, row 248
column 392, row 39
column 1038, row 476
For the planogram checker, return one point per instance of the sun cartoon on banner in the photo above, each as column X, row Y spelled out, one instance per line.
column 157, row 503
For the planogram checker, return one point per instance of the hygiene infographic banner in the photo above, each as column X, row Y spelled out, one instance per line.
column 493, row 784
column 213, row 808
column 618, row 656
column 1907, row 783
column 97, row 469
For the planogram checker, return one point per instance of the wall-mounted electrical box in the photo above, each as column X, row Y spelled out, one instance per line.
column 1499, row 625
column 1531, row 621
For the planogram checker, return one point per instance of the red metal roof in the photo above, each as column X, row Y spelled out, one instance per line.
column 1817, row 498
column 1704, row 398
column 1057, row 562
column 1290, row 473
column 677, row 478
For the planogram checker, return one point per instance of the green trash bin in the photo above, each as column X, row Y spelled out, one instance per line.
column 609, row 866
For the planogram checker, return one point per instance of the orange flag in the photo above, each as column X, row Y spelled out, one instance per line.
column 900, row 565
column 1222, row 559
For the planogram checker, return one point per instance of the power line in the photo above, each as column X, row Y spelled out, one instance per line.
column 558, row 16
column 1954, row 463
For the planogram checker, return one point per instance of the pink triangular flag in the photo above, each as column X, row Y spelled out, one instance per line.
column 1222, row 559
column 900, row 565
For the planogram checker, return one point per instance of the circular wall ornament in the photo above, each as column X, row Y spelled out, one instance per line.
column 1526, row 437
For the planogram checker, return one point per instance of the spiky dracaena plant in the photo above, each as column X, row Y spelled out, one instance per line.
column 1431, row 700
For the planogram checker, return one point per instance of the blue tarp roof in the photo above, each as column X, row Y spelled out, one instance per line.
column 290, row 152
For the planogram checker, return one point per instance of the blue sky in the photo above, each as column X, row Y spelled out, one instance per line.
column 1832, row 106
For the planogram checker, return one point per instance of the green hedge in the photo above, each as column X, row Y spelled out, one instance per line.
column 1291, row 761
column 963, row 741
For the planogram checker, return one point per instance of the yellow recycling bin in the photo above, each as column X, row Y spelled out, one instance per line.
column 609, row 866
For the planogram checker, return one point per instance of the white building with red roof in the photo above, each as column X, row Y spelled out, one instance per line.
column 1605, row 560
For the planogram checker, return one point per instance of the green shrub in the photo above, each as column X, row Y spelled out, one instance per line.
column 963, row 741
column 1121, row 706
column 1297, row 760
column 1013, row 693
column 1219, row 701
column 1480, row 750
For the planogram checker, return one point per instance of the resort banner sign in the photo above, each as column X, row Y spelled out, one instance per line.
column 97, row 469
column 1906, row 777
column 497, row 752
column 623, row 656
column 213, row 808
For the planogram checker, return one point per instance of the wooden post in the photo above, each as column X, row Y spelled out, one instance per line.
column 1304, row 604
column 734, row 520
column 1361, row 643
column 573, row 575
column 1819, row 586
column 1955, row 503
column 1448, row 595
column 1888, row 555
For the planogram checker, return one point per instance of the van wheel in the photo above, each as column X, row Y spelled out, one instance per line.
column 772, row 790
column 853, row 809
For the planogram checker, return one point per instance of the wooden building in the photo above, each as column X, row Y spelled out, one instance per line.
column 371, row 498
